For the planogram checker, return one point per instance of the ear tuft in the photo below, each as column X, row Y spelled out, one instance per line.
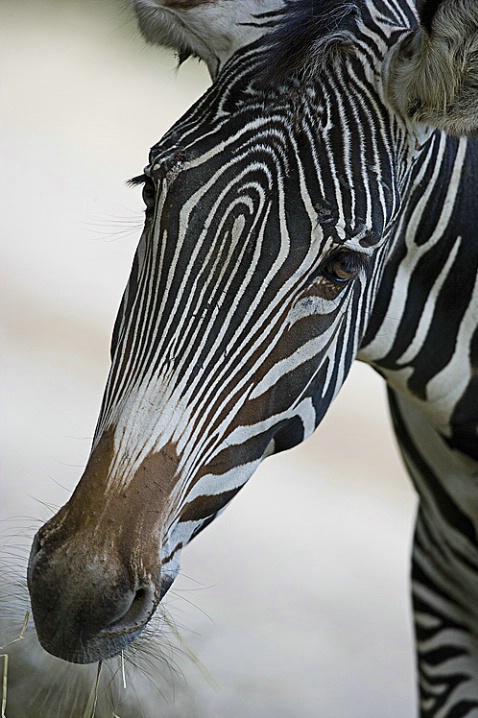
column 308, row 38
column 433, row 74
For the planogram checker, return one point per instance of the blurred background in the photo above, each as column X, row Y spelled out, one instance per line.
column 295, row 600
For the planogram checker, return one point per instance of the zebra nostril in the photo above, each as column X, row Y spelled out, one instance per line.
column 139, row 611
column 36, row 546
column 139, row 594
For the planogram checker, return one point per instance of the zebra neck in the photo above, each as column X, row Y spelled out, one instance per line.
column 423, row 331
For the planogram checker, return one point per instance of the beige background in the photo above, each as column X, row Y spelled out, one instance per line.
column 296, row 599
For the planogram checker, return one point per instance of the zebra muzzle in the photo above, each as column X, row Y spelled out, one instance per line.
column 94, row 569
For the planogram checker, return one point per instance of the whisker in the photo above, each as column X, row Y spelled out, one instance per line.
column 122, row 670
column 90, row 709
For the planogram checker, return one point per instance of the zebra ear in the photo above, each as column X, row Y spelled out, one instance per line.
column 209, row 29
column 433, row 73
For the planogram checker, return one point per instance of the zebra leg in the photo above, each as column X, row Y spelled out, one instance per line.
column 444, row 566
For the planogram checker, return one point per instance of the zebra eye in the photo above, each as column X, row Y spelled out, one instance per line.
column 341, row 267
column 149, row 195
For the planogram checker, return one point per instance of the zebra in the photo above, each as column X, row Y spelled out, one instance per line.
column 315, row 206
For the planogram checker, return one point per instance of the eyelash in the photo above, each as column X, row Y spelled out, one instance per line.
column 149, row 191
column 336, row 264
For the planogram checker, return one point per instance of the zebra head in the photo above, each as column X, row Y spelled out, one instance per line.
column 271, row 209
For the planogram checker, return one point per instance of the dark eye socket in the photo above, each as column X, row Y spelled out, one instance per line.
column 342, row 266
column 149, row 195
